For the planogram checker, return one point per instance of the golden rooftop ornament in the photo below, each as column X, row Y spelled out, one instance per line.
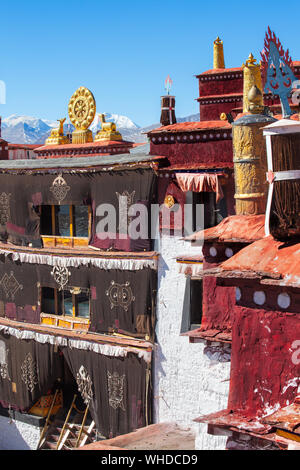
column 57, row 136
column 219, row 62
column 250, row 60
column 252, row 78
column 82, row 110
column 108, row 131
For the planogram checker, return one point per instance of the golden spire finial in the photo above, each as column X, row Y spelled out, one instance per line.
column 250, row 61
column 218, row 41
column 219, row 62
column 252, row 78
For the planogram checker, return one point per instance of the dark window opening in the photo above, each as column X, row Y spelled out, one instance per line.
column 46, row 221
column 81, row 221
column 213, row 212
column 196, row 293
column 50, row 301
column 192, row 305
column 65, row 220
column 62, row 221
column 73, row 302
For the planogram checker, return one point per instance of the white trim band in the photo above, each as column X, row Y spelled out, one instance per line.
column 286, row 175
column 101, row 263
column 104, row 349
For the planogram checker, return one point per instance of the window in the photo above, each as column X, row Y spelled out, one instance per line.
column 214, row 212
column 195, row 303
column 65, row 225
column 68, row 308
column 192, row 306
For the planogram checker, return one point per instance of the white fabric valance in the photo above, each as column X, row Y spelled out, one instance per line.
column 126, row 264
column 104, row 349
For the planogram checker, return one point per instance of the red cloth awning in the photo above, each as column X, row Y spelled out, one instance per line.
column 200, row 182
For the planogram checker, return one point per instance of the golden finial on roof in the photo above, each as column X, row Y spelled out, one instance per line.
column 218, row 41
column 252, row 78
column 82, row 110
column 57, row 136
column 219, row 62
column 250, row 61
column 108, row 130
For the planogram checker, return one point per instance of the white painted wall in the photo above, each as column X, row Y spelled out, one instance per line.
column 15, row 435
column 189, row 380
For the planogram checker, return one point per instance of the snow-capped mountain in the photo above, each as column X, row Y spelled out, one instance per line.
column 30, row 130
column 25, row 129
column 122, row 122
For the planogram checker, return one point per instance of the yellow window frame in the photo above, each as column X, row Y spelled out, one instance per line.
column 50, row 241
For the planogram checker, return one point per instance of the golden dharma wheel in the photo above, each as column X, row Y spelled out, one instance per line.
column 82, row 108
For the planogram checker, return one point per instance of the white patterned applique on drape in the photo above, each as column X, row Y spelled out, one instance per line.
column 61, row 276
column 4, row 208
column 29, row 372
column 120, row 295
column 126, row 200
column 85, row 385
column 59, row 188
column 116, row 385
column 4, row 374
column 10, row 285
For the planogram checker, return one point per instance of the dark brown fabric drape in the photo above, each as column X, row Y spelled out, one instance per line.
column 120, row 300
column 22, row 194
column 138, row 187
column 28, row 369
column 116, row 389
column 123, row 301
column 18, row 291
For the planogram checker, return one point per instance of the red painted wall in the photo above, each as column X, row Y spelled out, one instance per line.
column 218, row 301
column 262, row 366
column 214, row 84
column 3, row 150
column 220, row 87
column 210, row 154
column 168, row 186
column 217, row 307
column 211, row 112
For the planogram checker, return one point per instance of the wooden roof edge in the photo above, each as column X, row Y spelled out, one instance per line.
column 247, row 274
column 117, row 340
column 92, row 252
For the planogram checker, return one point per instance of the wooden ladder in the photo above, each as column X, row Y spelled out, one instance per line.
column 48, row 421
column 71, row 433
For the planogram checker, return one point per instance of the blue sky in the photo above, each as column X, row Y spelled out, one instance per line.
column 123, row 50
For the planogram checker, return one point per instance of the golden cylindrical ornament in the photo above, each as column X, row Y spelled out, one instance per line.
column 252, row 78
column 250, row 164
column 219, row 62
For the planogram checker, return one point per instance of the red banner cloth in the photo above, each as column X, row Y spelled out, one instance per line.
column 200, row 182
